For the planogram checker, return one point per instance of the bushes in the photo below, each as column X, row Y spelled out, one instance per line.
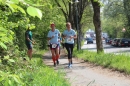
column 30, row 73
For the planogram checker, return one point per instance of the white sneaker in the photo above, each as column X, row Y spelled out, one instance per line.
column 70, row 66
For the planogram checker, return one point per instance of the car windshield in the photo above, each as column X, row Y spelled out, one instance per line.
column 89, row 39
column 124, row 39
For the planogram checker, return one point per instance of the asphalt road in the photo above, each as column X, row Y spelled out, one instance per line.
column 107, row 48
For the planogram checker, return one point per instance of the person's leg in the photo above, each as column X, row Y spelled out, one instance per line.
column 53, row 56
column 71, row 50
column 59, row 54
column 57, row 50
column 67, row 46
column 30, row 53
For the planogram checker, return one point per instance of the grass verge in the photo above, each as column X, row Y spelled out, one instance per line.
column 116, row 62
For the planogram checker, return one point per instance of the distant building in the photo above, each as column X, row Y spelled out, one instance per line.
column 105, row 35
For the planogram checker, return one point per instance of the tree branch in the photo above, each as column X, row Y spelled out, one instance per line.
column 65, row 14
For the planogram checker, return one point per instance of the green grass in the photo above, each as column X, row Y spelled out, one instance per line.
column 31, row 73
column 116, row 62
column 40, row 75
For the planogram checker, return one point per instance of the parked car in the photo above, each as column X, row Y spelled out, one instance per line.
column 124, row 42
column 115, row 41
column 89, row 40
column 110, row 40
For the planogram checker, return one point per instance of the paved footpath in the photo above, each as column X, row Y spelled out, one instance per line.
column 86, row 74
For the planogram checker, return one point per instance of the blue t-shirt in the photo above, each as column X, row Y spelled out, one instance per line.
column 68, row 34
column 55, row 34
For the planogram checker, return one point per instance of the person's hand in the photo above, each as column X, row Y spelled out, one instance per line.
column 58, row 40
column 53, row 36
column 65, row 36
column 33, row 43
column 71, row 37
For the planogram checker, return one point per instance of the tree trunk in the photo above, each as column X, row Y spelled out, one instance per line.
column 97, row 24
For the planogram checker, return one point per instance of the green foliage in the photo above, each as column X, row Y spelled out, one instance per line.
column 14, row 21
column 34, row 12
column 5, row 37
column 31, row 73
column 87, row 20
column 114, row 19
column 7, row 60
column 51, row 14
column 15, row 8
column 8, row 79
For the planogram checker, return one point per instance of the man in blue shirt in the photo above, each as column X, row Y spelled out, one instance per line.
column 69, row 35
column 53, row 35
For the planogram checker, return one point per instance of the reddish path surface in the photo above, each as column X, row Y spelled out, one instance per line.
column 86, row 74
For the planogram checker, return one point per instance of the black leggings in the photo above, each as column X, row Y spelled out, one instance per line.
column 69, row 48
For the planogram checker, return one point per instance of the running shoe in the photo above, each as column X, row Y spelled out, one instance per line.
column 70, row 65
column 54, row 64
column 57, row 62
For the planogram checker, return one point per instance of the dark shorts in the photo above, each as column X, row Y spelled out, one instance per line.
column 48, row 45
column 29, row 46
column 51, row 46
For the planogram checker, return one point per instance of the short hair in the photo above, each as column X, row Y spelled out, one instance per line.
column 68, row 23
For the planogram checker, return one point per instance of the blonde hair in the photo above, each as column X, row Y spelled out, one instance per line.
column 68, row 23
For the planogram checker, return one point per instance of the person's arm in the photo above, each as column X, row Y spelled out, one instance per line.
column 59, row 35
column 48, row 36
column 30, row 40
column 60, row 40
column 75, row 36
column 27, row 37
column 63, row 35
